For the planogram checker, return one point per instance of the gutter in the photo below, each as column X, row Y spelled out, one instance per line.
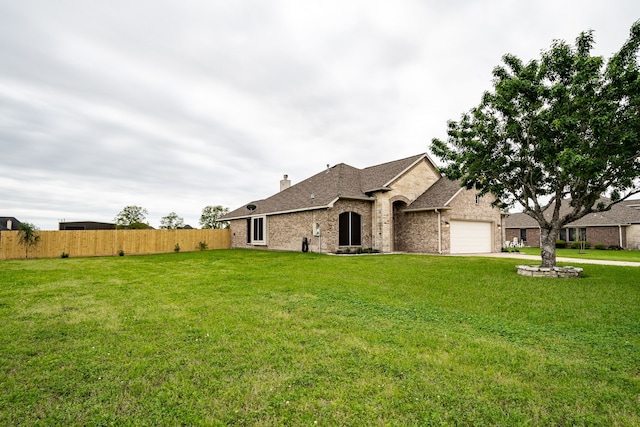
column 439, row 232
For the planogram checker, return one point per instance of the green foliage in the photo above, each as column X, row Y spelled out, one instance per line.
column 561, row 244
column 239, row 337
column 64, row 255
column 120, row 252
column 203, row 246
column 171, row 222
column 565, row 126
column 176, row 248
column 210, row 217
column 600, row 246
column 357, row 251
column 132, row 217
column 580, row 245
column 28, row 237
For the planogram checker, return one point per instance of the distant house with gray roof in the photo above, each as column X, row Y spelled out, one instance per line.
column 619, row 226
column 8, row 223
column 404, row 205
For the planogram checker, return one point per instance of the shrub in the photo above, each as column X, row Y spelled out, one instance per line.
column 615, row 248
column 120, row 252
column 64, row 255
column 561, row 244
column 176, row 248
column 579, row 245
column 600, row 246
column 203, row 246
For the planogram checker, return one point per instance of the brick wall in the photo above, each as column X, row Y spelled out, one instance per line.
column 422, row 232
column 606, row 235
column 285, row 231
column 533, row 236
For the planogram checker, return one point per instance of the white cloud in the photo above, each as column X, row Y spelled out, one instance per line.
column 177, row 106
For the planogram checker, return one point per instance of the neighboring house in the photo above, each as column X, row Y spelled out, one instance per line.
column 9, row 223
column 400, row 206
column 86, row 225
column 619, row 226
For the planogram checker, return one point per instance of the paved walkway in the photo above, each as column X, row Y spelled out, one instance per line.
column 523, row 257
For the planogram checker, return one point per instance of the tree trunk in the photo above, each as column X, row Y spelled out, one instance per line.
column 548, row 246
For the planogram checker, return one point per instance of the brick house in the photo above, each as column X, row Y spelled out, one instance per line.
column 401, row 206
column 620, row 226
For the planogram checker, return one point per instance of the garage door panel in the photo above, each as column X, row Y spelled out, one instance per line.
column 468, row 237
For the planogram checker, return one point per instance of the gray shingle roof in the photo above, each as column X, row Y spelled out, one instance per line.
column 15, row 224
column 620, row 214
column 339, row 181
column 436, row 196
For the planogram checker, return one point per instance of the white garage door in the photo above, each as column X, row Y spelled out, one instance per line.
column 469, row 237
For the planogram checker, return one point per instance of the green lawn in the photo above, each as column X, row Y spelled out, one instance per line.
column 633, row 256
column 238, row 337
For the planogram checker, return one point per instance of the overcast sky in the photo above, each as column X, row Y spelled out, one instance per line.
column 176, row 105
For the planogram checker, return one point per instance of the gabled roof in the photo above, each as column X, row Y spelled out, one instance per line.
column 438, row 196
column 325, row 188
column 622, row 213
column 15, row 224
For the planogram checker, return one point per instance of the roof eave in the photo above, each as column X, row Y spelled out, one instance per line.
column 375, row 190
column 309, row 208
column 427, row 209
column 418, row 160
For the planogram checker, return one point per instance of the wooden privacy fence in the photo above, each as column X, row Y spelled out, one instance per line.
column 85, row 243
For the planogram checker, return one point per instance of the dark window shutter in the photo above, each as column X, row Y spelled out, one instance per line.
column 355, row 229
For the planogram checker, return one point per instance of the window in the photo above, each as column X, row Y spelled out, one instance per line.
column 573, row 234
column 582, row 234
column 349, row 233
column 256, row 230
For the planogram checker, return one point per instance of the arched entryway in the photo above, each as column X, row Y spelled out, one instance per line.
column 399, row 226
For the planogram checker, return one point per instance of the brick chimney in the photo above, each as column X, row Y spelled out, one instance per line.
column 285, row 183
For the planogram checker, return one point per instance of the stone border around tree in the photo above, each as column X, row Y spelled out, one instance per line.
column 538, row 271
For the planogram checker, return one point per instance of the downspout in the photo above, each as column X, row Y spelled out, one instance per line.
column 620, row 233
column 439, row 232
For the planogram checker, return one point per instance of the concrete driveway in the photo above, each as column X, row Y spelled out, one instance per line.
column 523, row 257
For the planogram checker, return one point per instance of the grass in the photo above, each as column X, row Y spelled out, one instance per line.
column 239, row 337
column 632, row 256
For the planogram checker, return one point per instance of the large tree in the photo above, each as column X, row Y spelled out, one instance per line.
column 132, row 217
column 560, row 131
column 171, row 222
column 28, row 236
column 210, row 217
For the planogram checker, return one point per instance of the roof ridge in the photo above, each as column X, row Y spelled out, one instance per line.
column 395, row 161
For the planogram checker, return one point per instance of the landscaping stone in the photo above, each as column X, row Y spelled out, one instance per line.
column 538, row 271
